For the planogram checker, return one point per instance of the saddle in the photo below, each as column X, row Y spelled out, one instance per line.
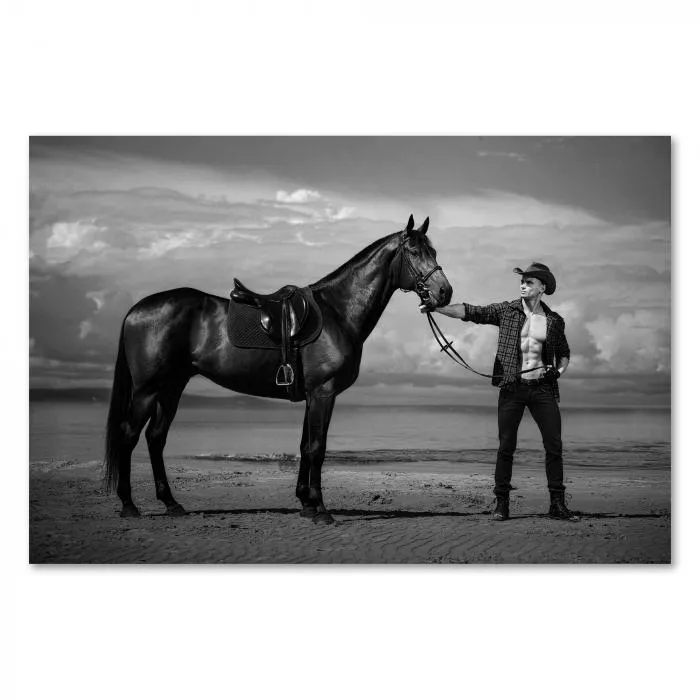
column 284, row 320
column 285, row 307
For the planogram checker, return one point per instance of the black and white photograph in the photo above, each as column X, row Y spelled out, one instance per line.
column 350, row 349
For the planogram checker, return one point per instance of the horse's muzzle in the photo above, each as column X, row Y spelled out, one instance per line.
column 445, row 295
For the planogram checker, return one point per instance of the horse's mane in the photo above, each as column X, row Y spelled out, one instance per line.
column 348, row 264
column 360, row 257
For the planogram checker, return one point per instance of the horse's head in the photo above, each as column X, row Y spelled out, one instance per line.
column 418, row 268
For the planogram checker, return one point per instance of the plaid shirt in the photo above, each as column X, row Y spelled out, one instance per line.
column 510, row 318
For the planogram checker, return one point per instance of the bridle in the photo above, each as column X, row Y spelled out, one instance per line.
column 422, row 291
column 419, row 280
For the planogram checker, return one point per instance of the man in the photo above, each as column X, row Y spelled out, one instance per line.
column 532, row 354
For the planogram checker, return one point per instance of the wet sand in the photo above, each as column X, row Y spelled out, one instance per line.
column 245, row 513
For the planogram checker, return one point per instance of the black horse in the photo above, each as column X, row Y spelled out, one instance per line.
column 169, row 337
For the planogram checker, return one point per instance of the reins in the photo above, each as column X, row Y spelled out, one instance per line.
column 447, row 347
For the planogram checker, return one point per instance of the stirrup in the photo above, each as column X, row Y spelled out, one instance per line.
column 285, row 375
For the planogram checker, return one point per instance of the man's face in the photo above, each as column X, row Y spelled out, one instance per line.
column 531, row 288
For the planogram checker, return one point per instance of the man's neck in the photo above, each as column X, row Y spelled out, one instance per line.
column 532, row 306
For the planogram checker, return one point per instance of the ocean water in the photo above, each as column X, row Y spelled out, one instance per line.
column 362, row 435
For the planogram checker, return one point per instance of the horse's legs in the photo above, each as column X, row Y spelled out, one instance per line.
column 319, row 410
column 156, row 434
column 142, row 404
column 308, row 509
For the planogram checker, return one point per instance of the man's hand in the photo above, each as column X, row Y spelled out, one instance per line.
column 551, row 374
column 451, row 310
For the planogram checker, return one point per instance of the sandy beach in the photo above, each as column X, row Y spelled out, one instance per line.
column 246, row 513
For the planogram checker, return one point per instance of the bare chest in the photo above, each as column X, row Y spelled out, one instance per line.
column 535, row 328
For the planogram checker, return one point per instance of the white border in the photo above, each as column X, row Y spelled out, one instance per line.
column 160, row 68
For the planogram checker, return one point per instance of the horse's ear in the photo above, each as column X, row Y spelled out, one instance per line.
column 424, row 228
column 409, row 225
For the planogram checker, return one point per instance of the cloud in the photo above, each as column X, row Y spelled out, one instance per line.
column 310, row 206
column 340, row 212
column 96, row 229
column 66, row 321
column 494, row 209
column 73, row 234
column 60, row 170
column 85, row 328
column 299, row 236
column 106, row 232
column 300, row 196
column 633, row 342
column 98, row 297
column 66, row 237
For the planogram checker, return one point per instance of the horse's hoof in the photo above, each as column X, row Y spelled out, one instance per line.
column 308, row 512
column 324, row 518
column 130, row 511
column 175, row 511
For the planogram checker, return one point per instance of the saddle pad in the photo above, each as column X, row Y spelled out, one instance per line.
column 245, row 331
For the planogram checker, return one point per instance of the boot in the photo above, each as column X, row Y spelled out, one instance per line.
column 502, row 510
column 558, row 509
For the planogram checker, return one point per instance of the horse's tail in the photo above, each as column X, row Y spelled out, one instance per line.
column 118, row 412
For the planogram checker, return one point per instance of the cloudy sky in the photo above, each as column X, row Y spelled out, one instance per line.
column 114, row 219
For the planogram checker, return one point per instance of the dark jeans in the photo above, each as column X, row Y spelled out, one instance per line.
column 539, row 398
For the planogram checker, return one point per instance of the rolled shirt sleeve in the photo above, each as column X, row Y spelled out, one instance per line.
column 483, row 314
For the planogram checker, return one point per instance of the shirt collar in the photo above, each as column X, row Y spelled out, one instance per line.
column 518, row 304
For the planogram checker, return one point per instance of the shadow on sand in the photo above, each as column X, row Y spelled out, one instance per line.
column 394, row 514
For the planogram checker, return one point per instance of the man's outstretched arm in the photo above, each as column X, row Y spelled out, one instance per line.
column 468, row 312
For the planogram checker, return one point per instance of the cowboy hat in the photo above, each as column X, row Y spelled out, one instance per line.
column 540, row 272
